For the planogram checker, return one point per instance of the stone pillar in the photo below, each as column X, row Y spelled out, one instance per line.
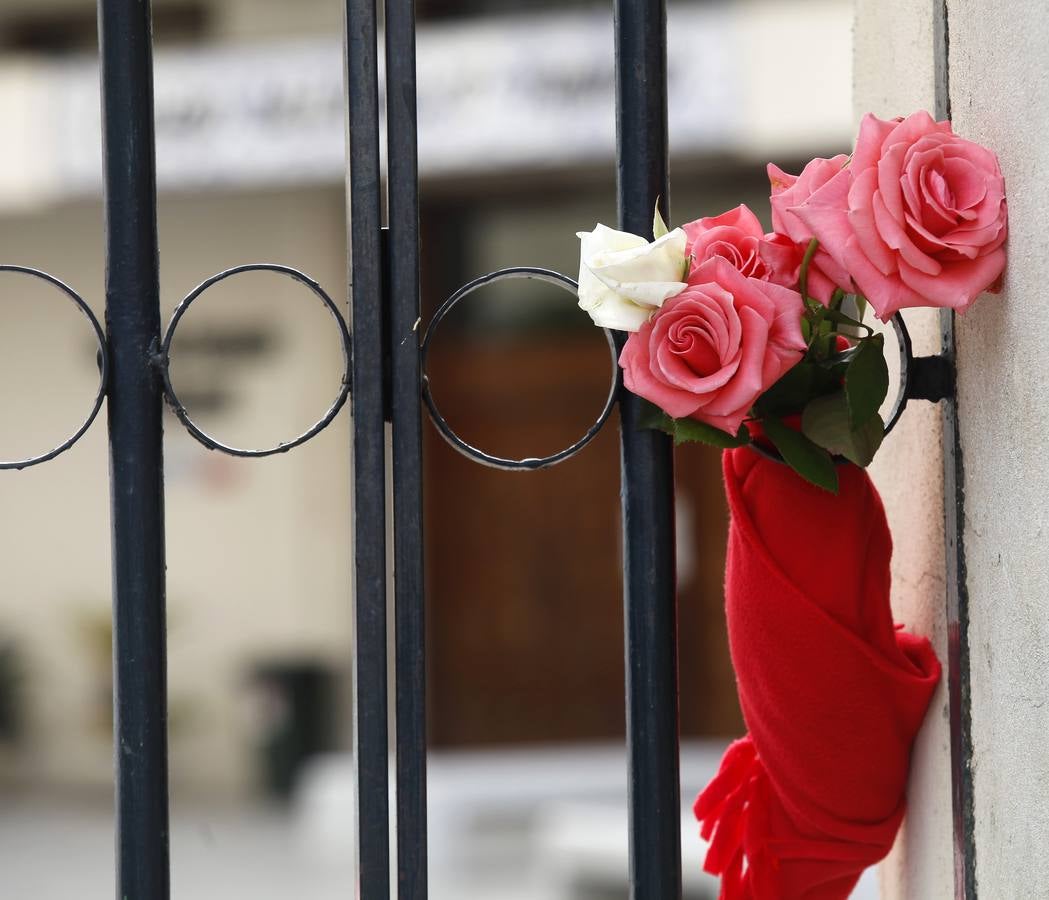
column 998, row 74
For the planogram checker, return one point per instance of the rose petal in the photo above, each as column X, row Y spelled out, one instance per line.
column 746, row 385
column 887, row 293
column 864, row 226
column 892, row 232
column 958, row 285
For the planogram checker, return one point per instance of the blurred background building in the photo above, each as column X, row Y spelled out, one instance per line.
column 526, row 660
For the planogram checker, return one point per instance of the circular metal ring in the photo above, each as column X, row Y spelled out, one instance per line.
column 498, row 462
column 903, row 341
column 103, row 367
column 180, row 411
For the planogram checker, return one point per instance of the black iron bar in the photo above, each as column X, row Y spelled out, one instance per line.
column 370, row 721
column 402, row 294
column 135, row 450
column 647, row 486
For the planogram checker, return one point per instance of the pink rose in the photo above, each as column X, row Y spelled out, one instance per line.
column 713, row 349
column 735, row 236
column 918, row 218
column 785, row 250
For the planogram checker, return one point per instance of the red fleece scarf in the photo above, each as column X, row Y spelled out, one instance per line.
column 832, row 692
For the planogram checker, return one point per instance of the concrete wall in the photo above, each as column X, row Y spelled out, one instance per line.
column 998, row 74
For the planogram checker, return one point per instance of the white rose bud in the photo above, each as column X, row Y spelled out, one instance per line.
column 623, row 278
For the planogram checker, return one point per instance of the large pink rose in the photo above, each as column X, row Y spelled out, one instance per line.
column 783, row 251
column 735, row 236
column 713, row 349
column 918, row 218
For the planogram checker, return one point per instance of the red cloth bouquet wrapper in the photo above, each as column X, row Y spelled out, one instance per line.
column 832, row 692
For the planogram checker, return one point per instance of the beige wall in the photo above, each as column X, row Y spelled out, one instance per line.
column 893, row 76
column 999, row 75
column 998, row 72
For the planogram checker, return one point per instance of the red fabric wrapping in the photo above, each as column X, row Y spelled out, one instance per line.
column 832, row 692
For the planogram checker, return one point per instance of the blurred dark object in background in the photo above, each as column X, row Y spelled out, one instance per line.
column 12, row 685
column 296, row 716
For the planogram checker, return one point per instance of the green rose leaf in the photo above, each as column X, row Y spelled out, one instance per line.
column 826, row 421
column 791, row 392
column 809, row 460
column 866, row 381
column 839, row 318
column 687, row 431
column 800, row 384
column 651, row 416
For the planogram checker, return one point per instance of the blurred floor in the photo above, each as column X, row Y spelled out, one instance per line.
column 58, row 852
column 539, row 823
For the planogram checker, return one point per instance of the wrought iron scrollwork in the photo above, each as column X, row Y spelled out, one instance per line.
column 446, row 430
column 163, row 361
column 103, row 367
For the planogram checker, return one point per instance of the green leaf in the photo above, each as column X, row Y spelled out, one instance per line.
column 801, row 383
column 826, row 422
column 659, row 227
column 866, row 380
column 810, row 461
column 840, row 318
column 689, row 430
column 838, row 361
column 861, row 306
column 686, row 431
column 651, row 416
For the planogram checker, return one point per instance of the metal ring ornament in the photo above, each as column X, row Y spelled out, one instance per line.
column 448, row 433
column 163, row 361
column 903, row 342
column 103, row 367
column 903, row 392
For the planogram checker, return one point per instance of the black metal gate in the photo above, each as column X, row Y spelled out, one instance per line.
column 385, row 353
column 385, row 292
column 384, row 358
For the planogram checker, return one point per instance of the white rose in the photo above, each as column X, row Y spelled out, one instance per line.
column 623, row 278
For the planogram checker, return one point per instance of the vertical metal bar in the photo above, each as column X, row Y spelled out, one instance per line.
column 135, row 450
column 958, row 685
column 370, row 731
column 409, row 595
column 648, row 486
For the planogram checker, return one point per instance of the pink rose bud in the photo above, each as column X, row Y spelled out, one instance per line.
column 713, row 349
column 785, row 249
column 918, row 218
column 734, row 236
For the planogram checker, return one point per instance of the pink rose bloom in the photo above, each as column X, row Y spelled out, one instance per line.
column 735, row 236
column 713, row 349
column 918, row 218
column 784, row 251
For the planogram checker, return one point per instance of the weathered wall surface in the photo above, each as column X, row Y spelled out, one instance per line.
column 998, row 78
column 894, row 76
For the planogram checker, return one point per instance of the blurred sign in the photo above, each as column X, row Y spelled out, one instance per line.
column 495, row 94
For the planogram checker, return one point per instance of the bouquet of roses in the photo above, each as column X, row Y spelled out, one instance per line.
column 738, row 335
column 742, row 337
